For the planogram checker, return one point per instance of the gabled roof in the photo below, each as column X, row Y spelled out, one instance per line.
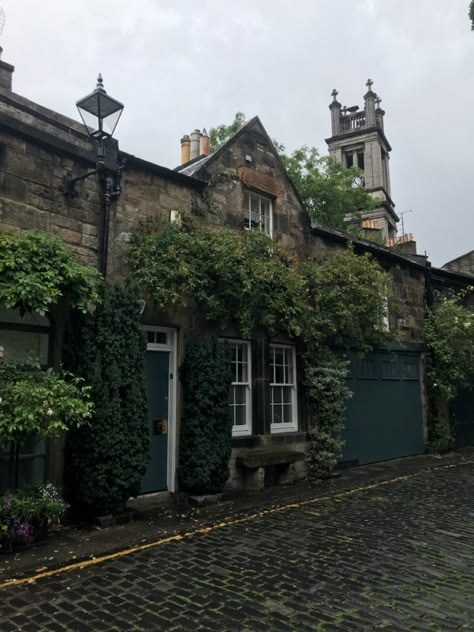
column 196, row 166
column 192, row 166
column 466, row 254
column 169, row 174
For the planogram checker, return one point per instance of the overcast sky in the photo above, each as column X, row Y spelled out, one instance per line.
column 183, row 64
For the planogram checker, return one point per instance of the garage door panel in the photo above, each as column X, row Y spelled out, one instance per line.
column 384, row 416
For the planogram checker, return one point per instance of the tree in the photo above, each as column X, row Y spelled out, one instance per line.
column 328, row 190
column 471, row 14
column 38, row 403
column 221, row 134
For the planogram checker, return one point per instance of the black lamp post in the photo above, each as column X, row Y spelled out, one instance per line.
column 100, row 114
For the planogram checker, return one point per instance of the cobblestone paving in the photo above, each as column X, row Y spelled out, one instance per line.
column 398, row 556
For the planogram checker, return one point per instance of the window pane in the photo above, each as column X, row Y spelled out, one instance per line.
column 276, row 414
column 287, row 414
column 14, row 316
column 240, row 416
column 279, row 374
column 277, row 394
column 240, row 394
column 279, row 355
column 289, row 368
column 20, row 345
column 255, row 204
column 246, row 201
column 255, row 220
column 242, row 372
column 286, row 394
column 266, row 225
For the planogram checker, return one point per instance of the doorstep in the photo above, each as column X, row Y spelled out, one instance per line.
column 159, row 517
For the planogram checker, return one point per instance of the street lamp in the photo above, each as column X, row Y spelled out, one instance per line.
column 100, row 114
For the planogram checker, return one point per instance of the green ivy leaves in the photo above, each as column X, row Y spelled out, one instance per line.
column 42, row 403
column 206, row 427
column 248, row 279
column 37, row 269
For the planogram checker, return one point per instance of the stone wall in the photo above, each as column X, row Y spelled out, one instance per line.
column 407, row 310
column 464, row 263
column 251, row 163
column 145, row 193
column 36, row 152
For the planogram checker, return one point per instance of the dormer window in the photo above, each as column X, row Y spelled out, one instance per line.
column 258, row 212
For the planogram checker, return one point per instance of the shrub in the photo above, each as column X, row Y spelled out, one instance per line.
column 38, row 403
column 206, row 427
column 449, row 332
column 327, row 390
column 110, row 457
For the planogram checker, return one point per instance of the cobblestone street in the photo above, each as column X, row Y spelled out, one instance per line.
column 396, row 555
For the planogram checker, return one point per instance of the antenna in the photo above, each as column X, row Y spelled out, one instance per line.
column 2, row 19
column 403, row 223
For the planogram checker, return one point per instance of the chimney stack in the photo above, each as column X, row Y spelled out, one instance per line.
column 6, row 72
column 204, row 146
column 195, row 143
column 185, row 149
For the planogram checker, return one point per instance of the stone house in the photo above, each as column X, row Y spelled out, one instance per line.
column 463, row 263
column 242, row 185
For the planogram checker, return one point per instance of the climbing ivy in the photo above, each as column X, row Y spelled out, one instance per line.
column 37, row 269
column 249, row 280
column 206, row 428
column 108, row 458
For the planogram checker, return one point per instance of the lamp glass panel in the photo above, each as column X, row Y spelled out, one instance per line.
column 90, row 121
column 110, row 122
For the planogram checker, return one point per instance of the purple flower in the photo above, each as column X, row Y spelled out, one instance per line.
column 21, row 531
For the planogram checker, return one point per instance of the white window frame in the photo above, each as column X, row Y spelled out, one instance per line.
column 247, row 211
column 238, row 431
column 293, row 425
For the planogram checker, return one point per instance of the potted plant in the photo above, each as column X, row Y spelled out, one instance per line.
column 26, row 514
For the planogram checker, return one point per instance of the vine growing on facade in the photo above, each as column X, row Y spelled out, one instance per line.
column 449, row 333
column 37, row 270
column 249, row 280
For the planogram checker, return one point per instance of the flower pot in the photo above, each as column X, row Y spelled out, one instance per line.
column 40, row 537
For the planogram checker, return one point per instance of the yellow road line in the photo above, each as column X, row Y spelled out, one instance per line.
column 214, row 527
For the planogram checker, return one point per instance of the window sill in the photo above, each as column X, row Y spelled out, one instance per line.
column 242, row 432
column 281, row 428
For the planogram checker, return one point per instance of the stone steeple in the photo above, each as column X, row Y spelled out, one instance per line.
column 358, row 140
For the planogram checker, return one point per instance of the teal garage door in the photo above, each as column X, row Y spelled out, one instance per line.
column 384, row 416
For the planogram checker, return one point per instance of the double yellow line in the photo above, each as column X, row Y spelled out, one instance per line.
column 204, row 530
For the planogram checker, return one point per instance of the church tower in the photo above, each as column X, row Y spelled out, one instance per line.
column 358, row 140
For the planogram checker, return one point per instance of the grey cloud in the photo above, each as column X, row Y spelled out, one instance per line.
column 181, row 65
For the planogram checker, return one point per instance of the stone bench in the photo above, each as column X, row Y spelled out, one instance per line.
column 254, row 461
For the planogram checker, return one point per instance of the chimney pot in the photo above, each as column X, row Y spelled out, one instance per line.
column 185, row 149
column 195, row 143
column 204, row 143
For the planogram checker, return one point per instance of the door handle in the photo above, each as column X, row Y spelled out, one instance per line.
column 160, row 426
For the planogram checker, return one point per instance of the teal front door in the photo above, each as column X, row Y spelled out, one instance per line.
column 157, row 388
